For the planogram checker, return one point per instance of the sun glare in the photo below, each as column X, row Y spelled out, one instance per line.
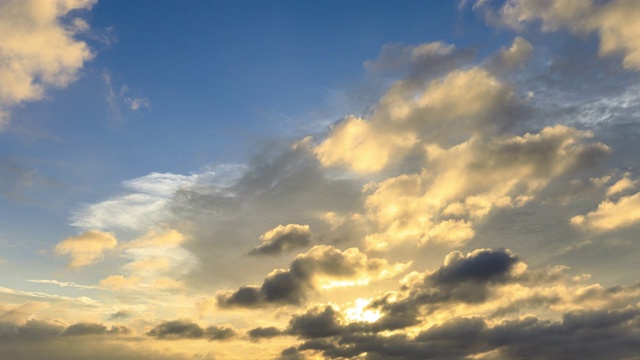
column 359, row 312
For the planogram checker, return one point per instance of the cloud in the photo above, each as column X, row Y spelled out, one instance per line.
column 93, row 329
column 184, row 329
column 580, row 335
column 321, row 266
column 264, row 333
column 355, row 143
column 622, row 185
column 611, row 215
column 442, row 111
column 613, row 21
column 511, row 58
column 61, row 283
column 283, row 238
column 86, row 248
column 146, row 203
column 442, row 316
column 80, row 300
column 119, row 98
column 395, row 56
column 460, row 185
column 157, row 260
column 177, row 329
column 38, row 49
column 318, row 322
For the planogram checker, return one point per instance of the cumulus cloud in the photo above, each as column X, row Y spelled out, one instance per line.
column 611, row 215
column 615, row 22
column 474, row 337
column 86, row 248
column 444, row 111
column 460, row 185
column 321, row 266
column 446, row 313
column 38, row 49
column 283, row 238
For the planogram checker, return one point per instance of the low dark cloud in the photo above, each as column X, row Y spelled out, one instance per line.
column 480, row 266
column 264, row 333
column 317, row 323
column 600, row 334
column 220, row 332
column 85, row 329
column 283, row 238
column 291, row 286
column 184, row 329
column 611, row 330
column 177, row 329
column 31, row 330
column 95, row 329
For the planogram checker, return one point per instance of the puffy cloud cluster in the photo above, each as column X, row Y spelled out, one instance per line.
column 39, row 49
column 614, row 21
column 446, row 313
column 448, row 137
column 460, row 185
column 611, row 215
column 321, row 266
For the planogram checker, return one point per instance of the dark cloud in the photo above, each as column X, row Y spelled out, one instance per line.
column 177, row 329
column 220, row 332
column 94, row 329
column 611, row 331
column 85, row 329
column 480, row 266
column 291, row 286
column 264, row 333
column 184, row 329
column 317, row 323
column 283, row 238
column 610, row 334
column 466, row 279
column 31, row 330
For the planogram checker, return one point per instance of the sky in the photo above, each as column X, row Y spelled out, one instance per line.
column 319, row 179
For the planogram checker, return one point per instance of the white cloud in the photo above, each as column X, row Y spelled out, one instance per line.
column 616, row 22
column 145, row 203
column 38, row 50
column 611, row 215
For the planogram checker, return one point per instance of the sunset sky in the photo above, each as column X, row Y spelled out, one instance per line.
column 339, row 179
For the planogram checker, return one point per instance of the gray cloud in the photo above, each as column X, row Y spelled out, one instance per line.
column 291, row 286
column 597, row 334
column 283, row 238
column 264, row 333
column 177, row 329
column 184, row 329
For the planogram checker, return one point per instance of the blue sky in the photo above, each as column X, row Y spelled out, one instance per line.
column 319, row 179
